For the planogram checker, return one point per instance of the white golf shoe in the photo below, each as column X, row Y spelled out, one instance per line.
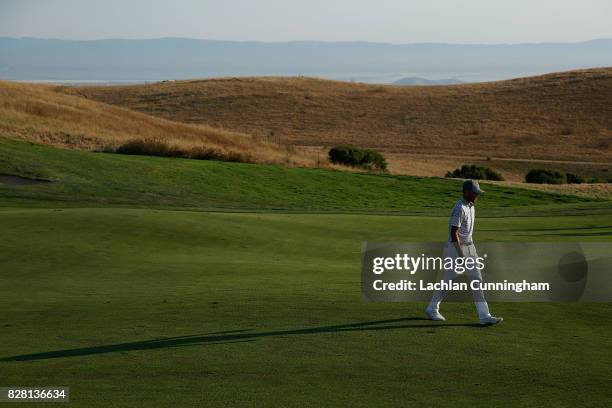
column 434, row 315
column 491, row 321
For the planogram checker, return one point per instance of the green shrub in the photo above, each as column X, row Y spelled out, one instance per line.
column 149, row 147
column 574, row 178
column 475, row 172
column 542, row 176
column 356, row 157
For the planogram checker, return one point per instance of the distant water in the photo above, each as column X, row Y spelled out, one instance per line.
column 364, row 77
column 88, row 81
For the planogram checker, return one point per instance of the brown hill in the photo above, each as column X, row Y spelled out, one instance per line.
column 40, row 114
column 561, row 116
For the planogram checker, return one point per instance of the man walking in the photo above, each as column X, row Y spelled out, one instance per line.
column 460, row 245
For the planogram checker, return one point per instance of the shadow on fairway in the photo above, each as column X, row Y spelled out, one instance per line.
column 545, row 229
column 573, row 234
column 234, row 336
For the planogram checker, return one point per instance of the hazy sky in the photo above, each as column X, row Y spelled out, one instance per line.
column 396, row 21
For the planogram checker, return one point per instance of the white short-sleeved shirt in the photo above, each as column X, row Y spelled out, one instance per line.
column 462, row 217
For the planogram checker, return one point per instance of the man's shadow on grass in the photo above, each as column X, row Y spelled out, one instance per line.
column 232, row 336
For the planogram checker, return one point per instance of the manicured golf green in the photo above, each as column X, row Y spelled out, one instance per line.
column 162, row 308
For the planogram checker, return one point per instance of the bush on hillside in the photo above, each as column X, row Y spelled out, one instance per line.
column 572, row 178
column 357, row 157
column 149, row 147
column 157, row 147
column 542, row 176
column 475, row 172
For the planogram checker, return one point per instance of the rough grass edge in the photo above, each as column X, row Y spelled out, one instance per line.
column 161, row 148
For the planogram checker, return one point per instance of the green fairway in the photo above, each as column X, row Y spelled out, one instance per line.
column 141, row 306
column 176, row 306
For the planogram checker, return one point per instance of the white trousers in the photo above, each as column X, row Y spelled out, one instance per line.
column 473, row 274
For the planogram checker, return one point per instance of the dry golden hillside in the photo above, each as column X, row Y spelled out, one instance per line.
column 40, row 114
column 561, row 116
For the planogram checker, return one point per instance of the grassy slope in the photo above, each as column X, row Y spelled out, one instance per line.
column 37, row 113
column 556, row 116
column 161, row 308
column 99, row 179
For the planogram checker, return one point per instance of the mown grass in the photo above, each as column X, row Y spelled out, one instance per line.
column 100, row 179
column 146, row 306
column 176, row 308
